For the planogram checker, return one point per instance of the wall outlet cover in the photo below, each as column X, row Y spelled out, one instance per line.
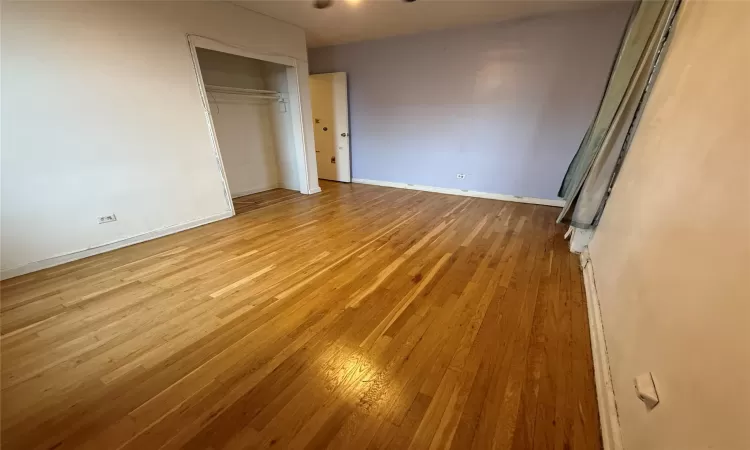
column 108, row 218
column 645, row 388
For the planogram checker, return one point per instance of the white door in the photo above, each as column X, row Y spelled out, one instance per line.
column 331, row 125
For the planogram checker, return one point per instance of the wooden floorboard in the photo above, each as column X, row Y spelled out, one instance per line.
column 264, row 199
column 360, row 317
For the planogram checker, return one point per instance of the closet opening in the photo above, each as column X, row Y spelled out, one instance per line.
column 253, row 114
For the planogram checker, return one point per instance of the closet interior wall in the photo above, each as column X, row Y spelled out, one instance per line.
column 255, row 134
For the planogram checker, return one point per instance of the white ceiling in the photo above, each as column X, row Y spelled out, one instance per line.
column 350, row 21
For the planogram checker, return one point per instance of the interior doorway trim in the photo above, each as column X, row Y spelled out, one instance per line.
column 213, row 44
column 196, row 41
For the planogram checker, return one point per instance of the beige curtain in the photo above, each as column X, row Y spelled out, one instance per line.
column 589, row 176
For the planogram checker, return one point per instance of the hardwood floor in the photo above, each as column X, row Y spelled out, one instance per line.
column 264, row 199
column 361, row 317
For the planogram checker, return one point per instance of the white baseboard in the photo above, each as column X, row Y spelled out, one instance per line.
column 68, row 257
column 315, row 190
column 605, row 394
column 254, row 191
column 465, row 193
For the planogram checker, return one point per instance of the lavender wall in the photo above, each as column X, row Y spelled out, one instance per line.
column 506, row 104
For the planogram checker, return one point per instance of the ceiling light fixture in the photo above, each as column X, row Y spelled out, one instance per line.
column 323, row 4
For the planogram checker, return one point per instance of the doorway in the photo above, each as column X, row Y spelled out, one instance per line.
column 330, row 106
column 254, row 116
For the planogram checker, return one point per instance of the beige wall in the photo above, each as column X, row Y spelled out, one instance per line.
column 672, row 253
column 101, row 114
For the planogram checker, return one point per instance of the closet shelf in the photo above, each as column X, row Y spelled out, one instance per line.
column 258, row 93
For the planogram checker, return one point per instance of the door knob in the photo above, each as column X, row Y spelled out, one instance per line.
column 344, row 134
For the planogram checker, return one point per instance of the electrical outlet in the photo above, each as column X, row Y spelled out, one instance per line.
column 109, row 218
column 460, row 176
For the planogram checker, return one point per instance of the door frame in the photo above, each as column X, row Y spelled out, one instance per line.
column 295, row 107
